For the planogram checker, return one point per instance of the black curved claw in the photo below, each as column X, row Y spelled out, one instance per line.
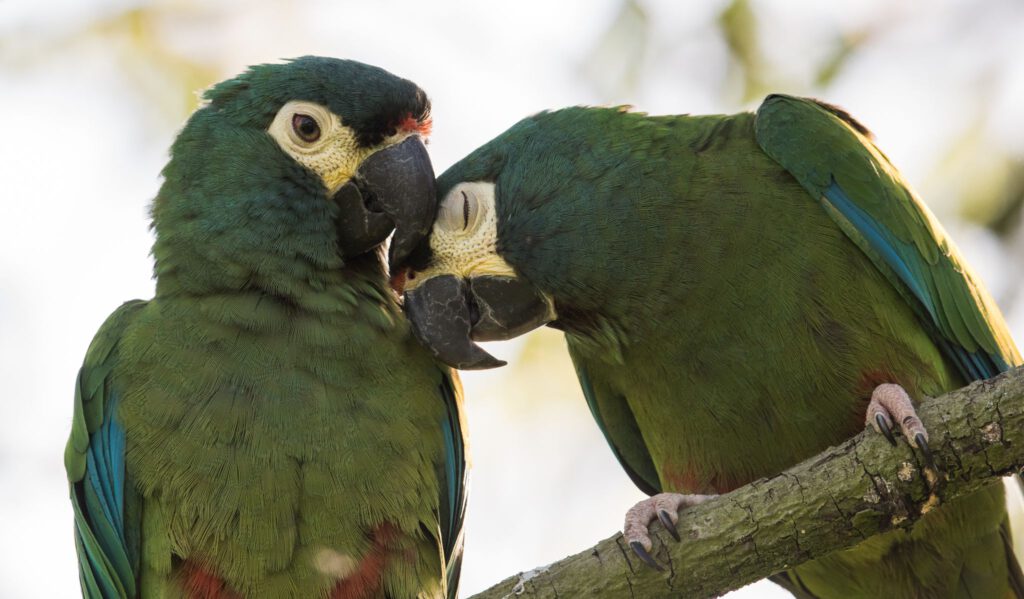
column 666, row 521
column 922, row 444
column 639, row 550
column 884, row 427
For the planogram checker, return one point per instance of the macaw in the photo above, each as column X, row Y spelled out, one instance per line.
column 737, row 293
column 266, row 425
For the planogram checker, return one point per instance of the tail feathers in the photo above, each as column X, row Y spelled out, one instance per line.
column 791, row 582
column 1012, row 564
column 997, row 574
column 454, row 572
column 1006, row 532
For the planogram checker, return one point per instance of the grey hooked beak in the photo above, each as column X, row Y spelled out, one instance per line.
column 449, row 313
column 393, row 189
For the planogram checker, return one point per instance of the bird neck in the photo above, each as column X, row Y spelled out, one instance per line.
column 298, row 268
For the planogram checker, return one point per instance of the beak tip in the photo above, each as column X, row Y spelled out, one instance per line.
column 401, row 178
column 484, row 362
column 439, row 317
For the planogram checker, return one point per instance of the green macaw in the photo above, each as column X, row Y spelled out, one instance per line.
column 266, row 425
column 737, row 292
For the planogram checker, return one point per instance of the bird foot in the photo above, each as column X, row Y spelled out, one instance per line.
column 663, row 506
column 890, row 404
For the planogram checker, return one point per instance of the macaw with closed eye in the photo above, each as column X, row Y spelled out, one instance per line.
column 266, row 425
column 738, row 292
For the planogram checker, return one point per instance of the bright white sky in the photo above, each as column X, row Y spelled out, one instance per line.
column 83, row 146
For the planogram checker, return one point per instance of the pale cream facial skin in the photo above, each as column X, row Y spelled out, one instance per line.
column 334, row 154
column 465, row 236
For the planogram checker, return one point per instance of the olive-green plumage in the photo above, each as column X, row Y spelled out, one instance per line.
column 265, row 426
column 732, row 288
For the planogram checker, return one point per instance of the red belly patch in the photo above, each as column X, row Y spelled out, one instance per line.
column 199, row 583
column 690, row 480
column 369, row 574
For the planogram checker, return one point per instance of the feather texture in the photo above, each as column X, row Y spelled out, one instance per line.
column 732, row 289
column 266, row 426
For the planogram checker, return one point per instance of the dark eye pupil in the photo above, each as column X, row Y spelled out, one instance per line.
column 306, row 127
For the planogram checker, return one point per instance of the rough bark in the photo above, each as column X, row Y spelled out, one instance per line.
column 841, row 496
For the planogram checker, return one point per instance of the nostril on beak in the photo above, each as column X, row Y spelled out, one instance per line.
column 372, row 202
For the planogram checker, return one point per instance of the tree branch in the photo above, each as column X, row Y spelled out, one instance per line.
column 841, row 496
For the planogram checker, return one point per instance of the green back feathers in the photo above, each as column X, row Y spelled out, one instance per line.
column 585, row 186
column 836, row 161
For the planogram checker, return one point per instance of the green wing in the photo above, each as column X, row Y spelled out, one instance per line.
column 453, row 480
column 618, row 425
column 106, row 540
column 834, row 158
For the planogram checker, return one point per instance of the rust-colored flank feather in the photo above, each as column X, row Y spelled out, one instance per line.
column 199, row 583
column 366, row 580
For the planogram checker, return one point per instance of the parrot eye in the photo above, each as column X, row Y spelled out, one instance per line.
column 306, row 127
column 462, row 209
column 317, row 139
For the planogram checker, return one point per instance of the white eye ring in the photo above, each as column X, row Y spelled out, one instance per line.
column 283, row 129
column 462, row 210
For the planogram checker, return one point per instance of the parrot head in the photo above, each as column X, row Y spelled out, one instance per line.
column 315, row 159
column 514, row 233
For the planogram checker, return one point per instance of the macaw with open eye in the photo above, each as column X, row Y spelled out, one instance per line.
column 737, row 292
column 266, row 425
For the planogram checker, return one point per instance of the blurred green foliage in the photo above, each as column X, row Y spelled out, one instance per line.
column 739, row 28
column 615, row 62
column 166, row 76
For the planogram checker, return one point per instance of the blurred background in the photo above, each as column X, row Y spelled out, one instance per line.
column 92, row 93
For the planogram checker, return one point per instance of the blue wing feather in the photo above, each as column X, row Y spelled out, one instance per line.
column 881, row 242
column 95, row 462
column 834, row 159
column 105, row 467
column 453, row 505
column 972, row 365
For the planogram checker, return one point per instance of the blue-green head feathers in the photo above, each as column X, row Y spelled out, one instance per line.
column 236, row 209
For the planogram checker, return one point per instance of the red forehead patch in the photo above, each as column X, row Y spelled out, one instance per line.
column 410, row 125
